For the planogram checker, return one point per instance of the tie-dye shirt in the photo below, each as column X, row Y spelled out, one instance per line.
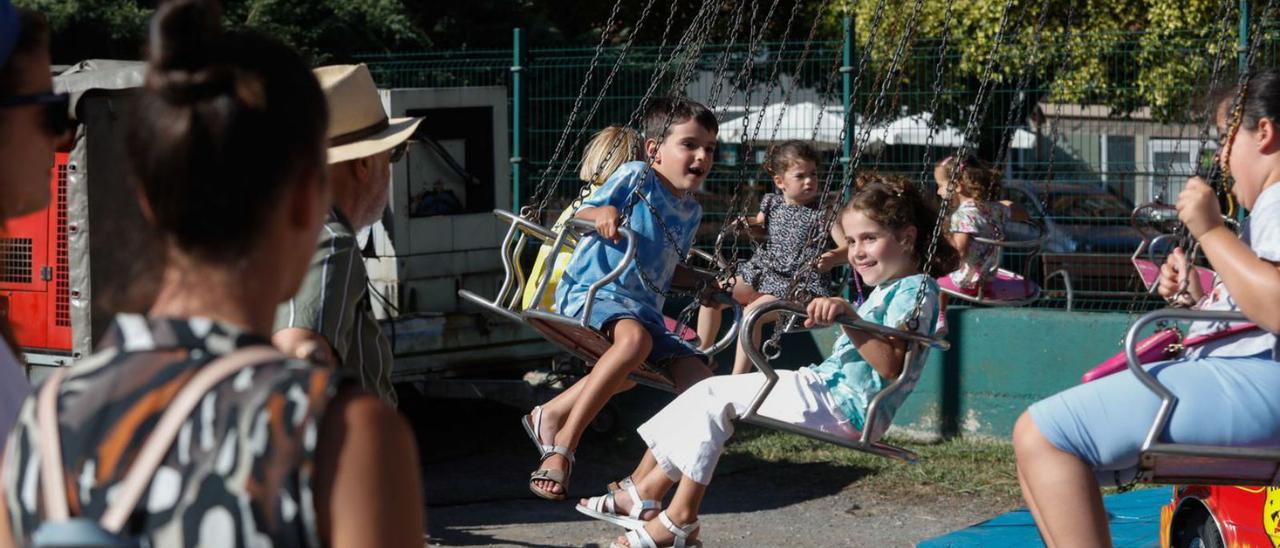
column 850, row 378
column 655, row 258
column 241, row 470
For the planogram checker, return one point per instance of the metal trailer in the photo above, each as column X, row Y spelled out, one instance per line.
column 66, row 271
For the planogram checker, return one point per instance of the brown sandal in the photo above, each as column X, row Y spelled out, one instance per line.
column 560, row 477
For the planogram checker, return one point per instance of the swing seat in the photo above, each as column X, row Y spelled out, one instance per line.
column 1004, row 289
column 878, row 421
column 588, row 345
column 1208, row 465
column 585, row 342
column 1162, row 462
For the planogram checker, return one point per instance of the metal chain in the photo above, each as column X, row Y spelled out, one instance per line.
column 727, row 272
column 1020, row 89
column 1237, row 112
column 980, row 106
column 582, row 91
column 938, row 72
column 728, row 228
column 812, row 252
column 701, row 21
column 595, row 106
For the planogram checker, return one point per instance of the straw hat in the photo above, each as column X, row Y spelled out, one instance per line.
column 358, row 126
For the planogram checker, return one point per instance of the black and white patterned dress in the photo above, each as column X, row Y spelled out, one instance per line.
column 775, row 263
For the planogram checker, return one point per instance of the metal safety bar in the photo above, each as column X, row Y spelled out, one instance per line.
column 868, row 441
column 1206, row 453
column 506, row 303
column 584, row 229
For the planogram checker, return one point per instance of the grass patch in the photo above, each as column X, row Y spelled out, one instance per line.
column 980, row 468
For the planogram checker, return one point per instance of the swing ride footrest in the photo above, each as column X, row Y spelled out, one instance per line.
column 1183, row 464
column 588, row 344
column 488, row 306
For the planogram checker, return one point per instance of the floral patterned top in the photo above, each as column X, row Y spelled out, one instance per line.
column 984, row 220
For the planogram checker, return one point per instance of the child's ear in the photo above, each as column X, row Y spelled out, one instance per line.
column 1266, row 137
column 907, row 237
column 651, row 148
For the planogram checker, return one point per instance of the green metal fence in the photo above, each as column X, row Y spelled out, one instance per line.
column 1081, row 166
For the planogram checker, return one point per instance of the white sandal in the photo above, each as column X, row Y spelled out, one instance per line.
column 604, row 508
column 640, row 538
column 532, row 423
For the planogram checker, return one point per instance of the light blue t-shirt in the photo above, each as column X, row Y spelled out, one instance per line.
column 850, row 378
column 594, row 257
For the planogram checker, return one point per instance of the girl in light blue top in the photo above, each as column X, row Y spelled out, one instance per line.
column 1070, row 443
column 887, row 226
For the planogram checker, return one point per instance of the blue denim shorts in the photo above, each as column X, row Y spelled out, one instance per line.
column 666, row 345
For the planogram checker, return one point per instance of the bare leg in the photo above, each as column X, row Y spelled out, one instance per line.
column 741, row 363
column 1031, row 504
column 708, row 324
column 556, row 410
column 1076, row 516
column 631, row 345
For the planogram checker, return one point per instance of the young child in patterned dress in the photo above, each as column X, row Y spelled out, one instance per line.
column 786, row 218
column 975, row 213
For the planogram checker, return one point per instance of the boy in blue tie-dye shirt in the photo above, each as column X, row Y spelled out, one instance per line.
column 657, row 199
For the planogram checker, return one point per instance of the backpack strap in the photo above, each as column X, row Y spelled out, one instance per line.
column 138, row 477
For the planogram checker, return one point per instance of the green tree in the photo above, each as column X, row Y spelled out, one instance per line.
column 324, row 30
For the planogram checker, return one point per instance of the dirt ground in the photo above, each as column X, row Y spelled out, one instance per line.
column 477, row 460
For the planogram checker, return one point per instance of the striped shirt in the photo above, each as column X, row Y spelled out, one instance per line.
column 333, row 302
column 241, row 470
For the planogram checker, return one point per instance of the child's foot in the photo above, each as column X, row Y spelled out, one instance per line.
column 551, row 479
column 941, row 331
column 662, row 533
column 620, row 508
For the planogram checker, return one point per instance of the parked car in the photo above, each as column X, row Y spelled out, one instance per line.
column 1087, row 234
column 1077, row 218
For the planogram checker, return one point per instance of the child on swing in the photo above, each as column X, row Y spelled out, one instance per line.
column 888, row 225
column 605, row 153
column 1070, row 443
column 787, row 218
column 657, row 199
column 975, row 212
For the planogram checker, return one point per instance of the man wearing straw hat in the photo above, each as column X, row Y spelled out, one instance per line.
column 331, row 319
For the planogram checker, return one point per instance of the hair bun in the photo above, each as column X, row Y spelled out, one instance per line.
column 184, row 38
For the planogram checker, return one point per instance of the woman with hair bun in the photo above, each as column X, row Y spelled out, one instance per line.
column 227, row 148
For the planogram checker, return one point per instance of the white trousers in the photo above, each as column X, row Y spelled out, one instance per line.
column 688, row 435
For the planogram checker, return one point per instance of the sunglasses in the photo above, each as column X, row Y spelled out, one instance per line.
column 397, row 153
column 56, row 120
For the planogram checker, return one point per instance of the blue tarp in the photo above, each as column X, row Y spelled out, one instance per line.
column 1135, row 521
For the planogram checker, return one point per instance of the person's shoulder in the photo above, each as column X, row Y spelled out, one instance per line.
column 1267, row 206
column 910, row 285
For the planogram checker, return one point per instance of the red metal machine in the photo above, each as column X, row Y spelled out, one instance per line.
column 34, row 273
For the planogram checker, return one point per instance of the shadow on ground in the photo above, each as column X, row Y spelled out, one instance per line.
column 477, row 460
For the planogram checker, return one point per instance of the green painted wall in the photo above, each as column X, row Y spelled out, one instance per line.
column 1001, row 361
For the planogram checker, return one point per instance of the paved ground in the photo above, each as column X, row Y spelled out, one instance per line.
column 478, row 460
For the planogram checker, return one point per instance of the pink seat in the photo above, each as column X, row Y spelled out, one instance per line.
column 686, row 334
column 1005, row 286
column 1150, row 274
